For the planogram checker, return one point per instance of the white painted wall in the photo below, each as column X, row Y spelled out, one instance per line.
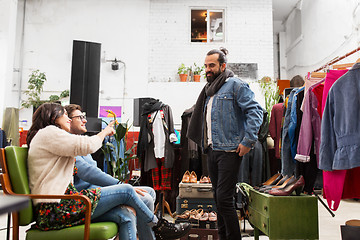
column 248, row 34
column 330, row 29
column 8, row 13
column 120, row 26
column 150, row 36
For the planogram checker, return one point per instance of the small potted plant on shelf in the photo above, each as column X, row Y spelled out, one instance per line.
column 197, row 72
column 183, row 72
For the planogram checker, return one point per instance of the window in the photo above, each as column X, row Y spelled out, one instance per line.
column 207, row 25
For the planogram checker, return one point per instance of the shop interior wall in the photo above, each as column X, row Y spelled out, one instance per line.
column 150, row 37
column 120, row 26
column 329, row 29
column 7, row 45
column 248, row 37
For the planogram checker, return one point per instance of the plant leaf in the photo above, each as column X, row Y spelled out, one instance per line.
column 121, row 131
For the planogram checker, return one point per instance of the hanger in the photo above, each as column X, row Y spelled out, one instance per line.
column 318, row 74
column 336, row 59
column 343, row 66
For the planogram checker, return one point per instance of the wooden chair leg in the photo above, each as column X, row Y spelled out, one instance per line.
column 15, row 226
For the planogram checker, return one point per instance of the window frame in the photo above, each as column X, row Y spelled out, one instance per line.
column 208, row 10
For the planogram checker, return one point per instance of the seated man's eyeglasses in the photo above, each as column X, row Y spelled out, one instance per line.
column 81, row 117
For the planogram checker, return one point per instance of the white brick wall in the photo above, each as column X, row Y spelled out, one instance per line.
column 248, row 34
column 151, row 36
column 330, row 29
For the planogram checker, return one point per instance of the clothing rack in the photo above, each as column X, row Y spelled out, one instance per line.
column 337, row 59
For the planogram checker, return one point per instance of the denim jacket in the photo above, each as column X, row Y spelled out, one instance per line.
column 340, row 129
column 235, row 116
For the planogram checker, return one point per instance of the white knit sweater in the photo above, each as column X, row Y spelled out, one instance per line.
column 51, row 159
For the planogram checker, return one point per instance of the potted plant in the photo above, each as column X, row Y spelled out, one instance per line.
column 36, row 83
column 116, row 153
column 183, row 72
column 197, row 70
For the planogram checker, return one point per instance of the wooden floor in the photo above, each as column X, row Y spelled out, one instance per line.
column 329, row 226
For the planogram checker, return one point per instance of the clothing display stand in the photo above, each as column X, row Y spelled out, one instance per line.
column 163, row 204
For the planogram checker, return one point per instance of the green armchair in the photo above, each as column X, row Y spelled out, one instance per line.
column 14, row 181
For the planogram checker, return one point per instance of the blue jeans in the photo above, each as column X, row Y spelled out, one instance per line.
column 109, row 209
column 144, row 231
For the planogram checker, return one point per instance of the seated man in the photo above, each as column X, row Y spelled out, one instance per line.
column 90, row 176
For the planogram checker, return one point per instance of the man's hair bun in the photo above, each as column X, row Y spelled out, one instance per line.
column 224, row 50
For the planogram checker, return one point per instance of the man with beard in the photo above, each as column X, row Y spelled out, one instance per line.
column 225, row 123
column 88, row 176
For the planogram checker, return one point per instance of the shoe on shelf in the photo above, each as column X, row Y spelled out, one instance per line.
column 185, row 215
column 186, row 177
column 193, row 177
column 279, row 183
column 297, row 186
column 288, row 182
column 271, row 181
column 212, row 216
column 204, row 217
column 196, row 214
column 204, row 179
column 165, row 230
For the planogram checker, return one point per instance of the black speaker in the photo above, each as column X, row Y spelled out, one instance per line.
column 138, row 105
column 85, row 80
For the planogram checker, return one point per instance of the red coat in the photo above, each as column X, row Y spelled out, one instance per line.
column 275, row 126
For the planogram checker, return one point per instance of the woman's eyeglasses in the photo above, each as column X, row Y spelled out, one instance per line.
column 81, row 117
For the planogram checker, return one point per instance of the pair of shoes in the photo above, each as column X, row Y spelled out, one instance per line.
column 165, row 230
column 205, row 179
column 209, row 216
column 208, row 220
column 279, row 183
column 192, row 214
column 195, row 215
column 185, row 215
column 189, row 177
column 291, row 180
column 297, row 186
column 271, row 181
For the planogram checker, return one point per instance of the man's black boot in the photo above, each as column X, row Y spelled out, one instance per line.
column 165, row 230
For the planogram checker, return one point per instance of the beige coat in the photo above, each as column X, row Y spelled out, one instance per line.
column 51, row 159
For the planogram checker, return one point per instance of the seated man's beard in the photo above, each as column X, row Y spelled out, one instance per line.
column 212, row 77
